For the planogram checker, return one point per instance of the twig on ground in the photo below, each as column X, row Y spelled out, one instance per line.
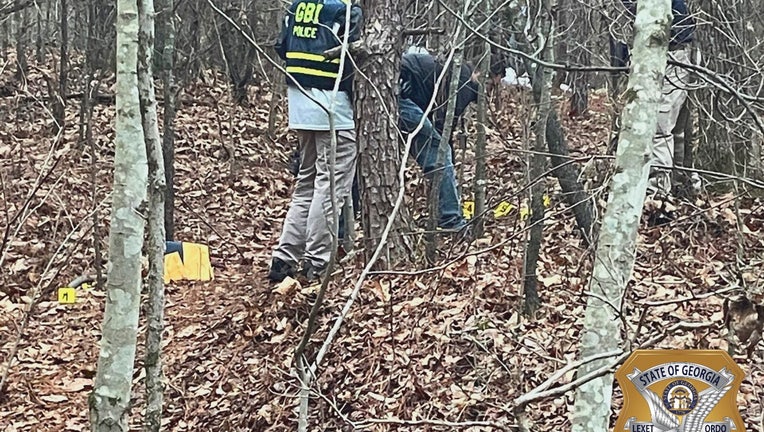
column 80, row 280
column 336, row 409
column 690, row 298
column 37, row 293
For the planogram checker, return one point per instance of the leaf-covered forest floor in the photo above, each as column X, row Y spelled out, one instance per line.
column 442, row 345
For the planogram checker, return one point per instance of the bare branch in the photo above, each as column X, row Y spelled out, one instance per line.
column 689, row 299
column 13, row 7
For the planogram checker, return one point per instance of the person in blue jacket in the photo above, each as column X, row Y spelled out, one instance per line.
column 418, row 76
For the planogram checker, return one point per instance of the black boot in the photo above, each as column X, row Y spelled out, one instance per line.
column 280, row 269
column 312, row 274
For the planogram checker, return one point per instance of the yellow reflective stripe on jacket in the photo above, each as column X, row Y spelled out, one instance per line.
column 310, row 57
column 309, row 71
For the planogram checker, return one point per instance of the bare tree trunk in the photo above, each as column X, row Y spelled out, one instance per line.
column 110, row 400
column 542, row 87
column 616, row 249
column 59, row 104
column 39, row 39
column 5, row 30
column 91, row 87
column 567, row 174
column 579, row 33
column 238, row 57
column 445, row 140
column 682, row 180
column 22, row 68
column 723, row 141
column 167, row 24
column 480, row 139
column 156, row 238
column 378, row 138
column 86, row 107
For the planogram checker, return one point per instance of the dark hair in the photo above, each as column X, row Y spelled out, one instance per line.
column 498, row 63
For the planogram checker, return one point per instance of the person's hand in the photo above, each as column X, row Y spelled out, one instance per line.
column 475, row 76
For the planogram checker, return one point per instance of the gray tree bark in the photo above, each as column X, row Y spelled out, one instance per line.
column 110, row 401
column 380, row 155
column 480, row 138
column 616, row 248
column 21, row 51
column 444, row 145
column 156, row 238
column 566, row 173
column 59, row 104
column 167, row 24
column 537, row 167
column 579, row 32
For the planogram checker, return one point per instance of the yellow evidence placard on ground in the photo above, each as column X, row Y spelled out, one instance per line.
column 468, row 209
column 67, row 295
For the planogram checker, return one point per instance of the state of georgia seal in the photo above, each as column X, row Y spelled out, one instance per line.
column 680, row 391
column 680, row 397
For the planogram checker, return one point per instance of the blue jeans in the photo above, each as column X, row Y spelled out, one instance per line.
column 424, row 148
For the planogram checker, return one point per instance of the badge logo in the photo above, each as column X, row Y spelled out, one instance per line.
column 679, row 391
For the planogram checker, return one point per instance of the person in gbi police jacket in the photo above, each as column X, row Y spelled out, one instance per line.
column 310, row 28
column 675, row 84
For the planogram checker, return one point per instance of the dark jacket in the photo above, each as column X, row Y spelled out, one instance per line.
column 418, row 75
column 310, row 28
column 682, row 23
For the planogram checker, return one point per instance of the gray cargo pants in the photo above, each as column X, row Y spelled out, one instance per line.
column 675, row 84
column 306, row 233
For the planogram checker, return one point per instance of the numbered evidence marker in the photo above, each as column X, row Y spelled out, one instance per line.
column 468, row 209
column 502, row 209
column 67, row 295
column 525, row 212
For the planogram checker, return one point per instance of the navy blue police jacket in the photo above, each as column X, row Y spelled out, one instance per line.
column 310, row 28
column 419, row 73
column 682, row 22
column 682, row 31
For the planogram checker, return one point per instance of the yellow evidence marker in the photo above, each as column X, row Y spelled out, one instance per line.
column 468, row 209
column 525, row 212
column 502, row 209
column 67, row 295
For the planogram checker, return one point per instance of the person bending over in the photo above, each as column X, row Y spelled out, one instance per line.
column 418, row 76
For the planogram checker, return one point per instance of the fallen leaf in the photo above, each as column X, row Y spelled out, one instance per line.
column 54, row 398
column 287, row 286
column 77, row 384
column 551, row 280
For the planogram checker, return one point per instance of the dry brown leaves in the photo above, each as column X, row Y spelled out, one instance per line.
column 446, row 345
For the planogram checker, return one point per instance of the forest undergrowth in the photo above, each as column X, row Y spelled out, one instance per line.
column 447, row 344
